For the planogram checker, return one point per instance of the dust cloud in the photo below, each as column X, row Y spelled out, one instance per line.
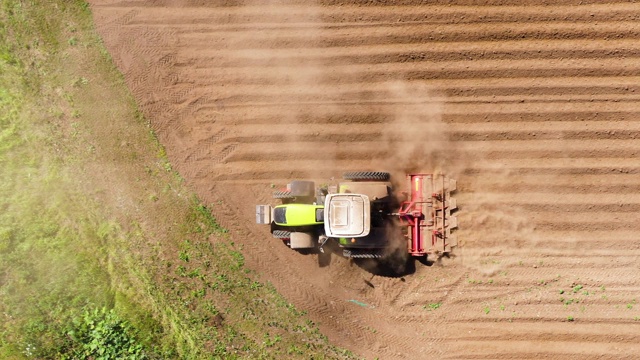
column 415, row 137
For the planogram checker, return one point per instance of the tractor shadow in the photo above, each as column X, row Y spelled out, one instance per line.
column 398, row 266
column 395, row 265
column 392, row 268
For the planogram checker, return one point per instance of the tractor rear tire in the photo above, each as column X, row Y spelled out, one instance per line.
column 283, row 194
column 367, row 176
column 281, row 234
column 303, row 188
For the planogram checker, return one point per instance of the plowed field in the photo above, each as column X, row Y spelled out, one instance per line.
column 535, row 110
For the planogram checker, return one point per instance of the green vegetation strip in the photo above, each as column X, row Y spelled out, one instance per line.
column 104, row 253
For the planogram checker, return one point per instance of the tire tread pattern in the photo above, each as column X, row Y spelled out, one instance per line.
column 367, row 176
column 282, row 194
column 281, row 234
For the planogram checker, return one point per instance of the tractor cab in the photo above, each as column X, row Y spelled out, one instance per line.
column 348, row 215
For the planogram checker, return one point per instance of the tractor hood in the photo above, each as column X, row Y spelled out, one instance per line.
column 347, row 215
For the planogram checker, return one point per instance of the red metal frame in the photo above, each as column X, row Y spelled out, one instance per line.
column 412, row 214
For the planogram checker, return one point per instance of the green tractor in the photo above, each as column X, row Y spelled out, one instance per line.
column 351, row 213
column 362, row 215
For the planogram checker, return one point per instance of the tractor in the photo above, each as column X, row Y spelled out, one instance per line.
column 363, row 215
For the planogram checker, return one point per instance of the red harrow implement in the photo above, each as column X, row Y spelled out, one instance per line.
column 426, row 214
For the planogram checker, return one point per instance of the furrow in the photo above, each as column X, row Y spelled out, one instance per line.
column 266, row 38
column 283, row 98
column 575, row 171
column 297, row 74
column 203, row 56
column 360, row 114
column 402, row 12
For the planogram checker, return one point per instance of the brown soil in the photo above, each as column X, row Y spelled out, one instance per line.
column 534, row 109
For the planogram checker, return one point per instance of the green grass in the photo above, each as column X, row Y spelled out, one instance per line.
column 96, row 229
column 432, row 306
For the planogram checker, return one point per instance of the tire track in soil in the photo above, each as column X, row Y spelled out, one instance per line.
column 328, row 306
column 541, row 101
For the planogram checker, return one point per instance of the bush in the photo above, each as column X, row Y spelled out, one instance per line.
column 101, row 334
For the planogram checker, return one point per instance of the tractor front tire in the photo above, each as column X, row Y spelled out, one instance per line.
column 281, row 234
